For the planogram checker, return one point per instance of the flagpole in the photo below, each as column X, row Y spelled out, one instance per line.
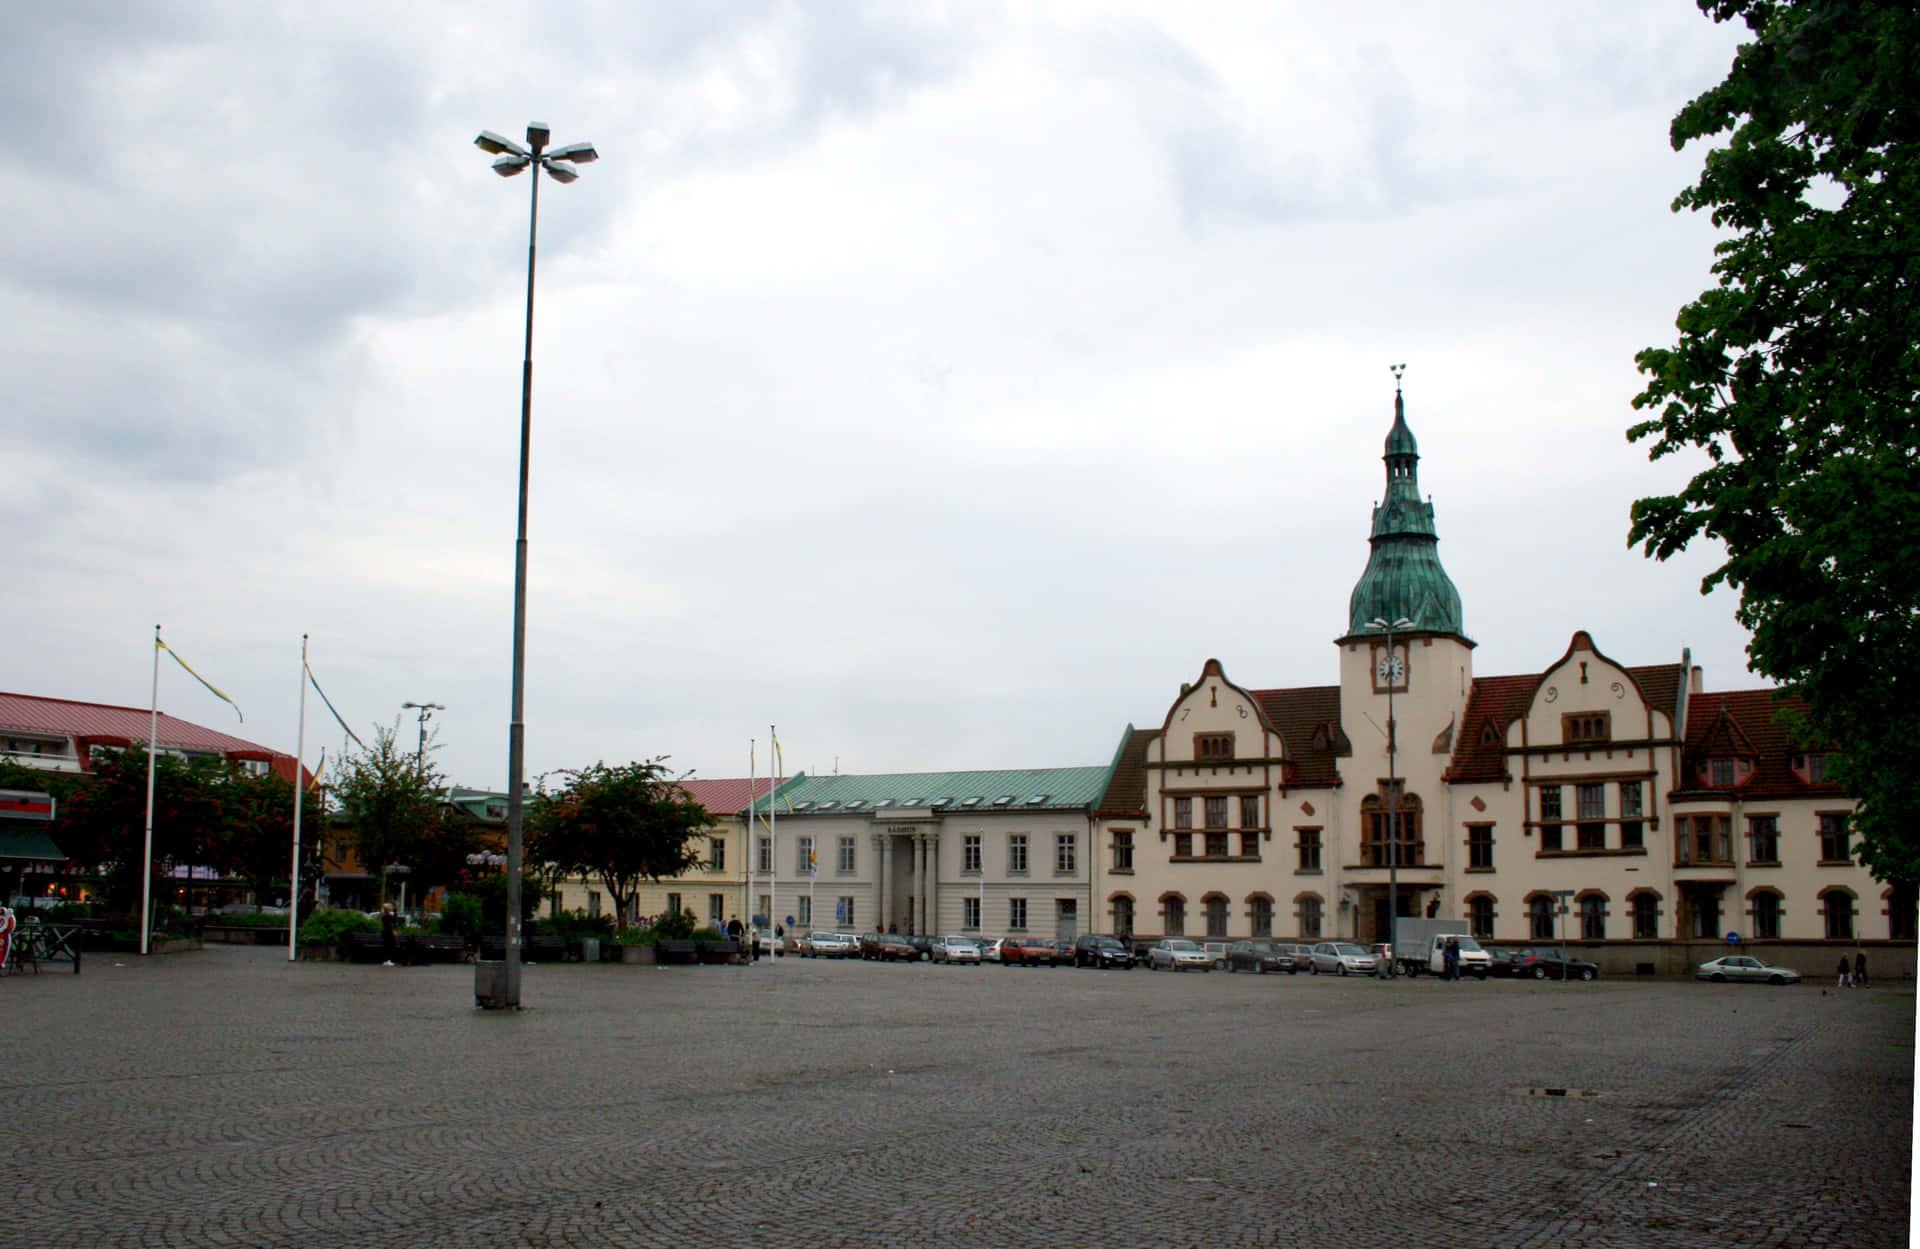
column 153, row 739
column 753, row 835
column 773, row 839
column 299, row 801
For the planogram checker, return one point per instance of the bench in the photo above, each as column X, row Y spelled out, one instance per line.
column 728, row 951
column 366, row 947
column 439, row 947
column 676, row 951
column 543, row 949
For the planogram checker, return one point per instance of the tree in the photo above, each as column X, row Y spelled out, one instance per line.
column 620, row 825
column 258, row 842
column 391, row 797
column 1798, row 375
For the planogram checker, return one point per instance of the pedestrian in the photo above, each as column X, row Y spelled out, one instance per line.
column 734, row 929
column 1860, row 969
column 1450, row 959
column 1846, row 973
column 389, row 941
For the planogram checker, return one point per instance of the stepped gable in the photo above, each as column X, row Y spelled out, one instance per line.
column 1480, row 748
column 1308, row 720
column 1126, row 794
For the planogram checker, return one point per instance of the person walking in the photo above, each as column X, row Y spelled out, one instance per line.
column 1450, row 958
column 389, row 942
column 1860, row 969
column 1846, row 973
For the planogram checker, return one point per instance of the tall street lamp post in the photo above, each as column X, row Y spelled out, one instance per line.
column 559, row 166
column 1391, row 670
column 426, row 711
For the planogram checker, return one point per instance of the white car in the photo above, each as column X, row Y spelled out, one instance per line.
column 955, row 949
column 830, row 945
column 1178, row 954
column 1342, row 958
column 990, row 950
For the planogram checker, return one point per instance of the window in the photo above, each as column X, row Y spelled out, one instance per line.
column 1216, row 904
column 1123, row 851
column 1016, row 913
column 1549, row 817
column 1763, row 839
column 1833, row 838
column 1260, row 914
column 1812, row 768
column 1591, row 801
column 970, row 913
column 846, row 856
column 1309, row 846
column 1017, row 854
column 1720, row 773
column 803, row 856
column 1183, row 845
column 1183, row 813
column 1702, row 839
column 1766, row 915
column 1593, row 917
column 1901, row 900
column 593, row 903
column 1632, row 815
column 1216, row 845
column 1588, row 726
column 1216, row 813
column 717, row 854
column 1249, row 811
column 1213, row 745
column 1480, row 916
column 1540, row 917
column 970, row 854
column 1173, row 914
column 717, row 910
column 1838, row 907
column 1309, row 904
column 766, row 856
column 1392, row 824
column 1123, row 916
column 1646, row 916
column 843, row 912
column 804, row 912
column 673, row 904
column 1066, row 854
column 1479, row 847
column 1249, row 845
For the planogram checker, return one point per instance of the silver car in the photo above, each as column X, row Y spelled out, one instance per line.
column 1745, row 967
column 830, row 945
column 1342, row 958
column 955, row 949
column 1178, row 954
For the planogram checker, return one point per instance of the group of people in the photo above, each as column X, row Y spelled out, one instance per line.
column 1854, row 975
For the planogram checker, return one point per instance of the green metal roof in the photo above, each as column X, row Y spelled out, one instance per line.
column 1404, row 579
column 1025, row 789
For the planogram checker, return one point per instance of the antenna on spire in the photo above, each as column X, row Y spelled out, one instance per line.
column 1398, row 369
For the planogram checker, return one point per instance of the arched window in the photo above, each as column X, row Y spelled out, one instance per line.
column 1307, row 906
column 1216, row 905
column 1646, row 914
column 1837, row 904
column 1593, row 916
column 1173, row 914
column 1260, row 915
column 1480, row 915
column 1540, row 917
column 1383, row 822
column 1764, row 906
column 1123, row 915
column 1900, row 900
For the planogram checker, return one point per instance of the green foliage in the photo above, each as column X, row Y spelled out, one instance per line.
column 709, row 934
column 326, row 927
column 491, row 893
column 673, row 926
column 635, row 936
column 392, row 798
column 462, row 914
column 1798, row 375
column 619, row 825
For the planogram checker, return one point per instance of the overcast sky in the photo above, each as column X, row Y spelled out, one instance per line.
column 941, row 383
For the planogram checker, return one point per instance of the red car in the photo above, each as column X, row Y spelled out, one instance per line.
column 1030, row 951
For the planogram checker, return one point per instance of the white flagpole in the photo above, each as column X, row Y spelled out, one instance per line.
column 153, row 739
column 299, row 801
column 753, row 831
column 773, row 836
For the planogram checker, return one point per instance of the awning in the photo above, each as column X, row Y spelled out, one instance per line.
column 32, row 845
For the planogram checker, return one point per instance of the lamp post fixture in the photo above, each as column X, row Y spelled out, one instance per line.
column 559, row 166
column 1391, row 670
column 426, row 711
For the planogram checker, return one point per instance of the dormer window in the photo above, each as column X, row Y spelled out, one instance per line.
column 1585, row 727
column 1811, row 769
column 1720, row 773
column 1213, row 745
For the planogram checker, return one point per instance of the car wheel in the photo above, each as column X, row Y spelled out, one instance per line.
column 1483, row 976
column 1776, row 979
column 1313, row 970
column 1343, row 969
column 1539, row 973
column 1586, row 973
column 1719, row 978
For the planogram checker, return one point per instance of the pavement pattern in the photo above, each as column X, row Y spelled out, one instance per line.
column 227, row 1097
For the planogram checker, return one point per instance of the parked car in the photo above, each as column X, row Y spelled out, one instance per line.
column 888, row 947
column 922, row 944
column 1260, row 956
column 956, row 949
column 1506, row 963
column 1552, row 964
column 830, row 945
column 1027, row 951
column 1217, row 951
column 990, row 950
column 1745, row 967
column 1063, row 953
column 1092, row 949
column 1298, row 958
column 1342, row 958
column 1178, row 954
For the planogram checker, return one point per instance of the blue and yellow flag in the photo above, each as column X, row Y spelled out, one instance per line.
column 196, row 676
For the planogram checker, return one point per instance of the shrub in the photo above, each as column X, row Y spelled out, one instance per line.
column 327, row 927
column 674, row 926
column 635, row 936
column 461, row 915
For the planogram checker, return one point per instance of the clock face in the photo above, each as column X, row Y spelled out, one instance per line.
column 1391, row 669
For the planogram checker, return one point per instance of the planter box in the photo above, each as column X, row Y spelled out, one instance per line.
column 677, row 951
column 635, row 953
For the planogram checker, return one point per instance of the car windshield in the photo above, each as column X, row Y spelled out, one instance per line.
column 960, row 943
column 1181, row 945
column 1468, row 943
column 1104, row 943
column 1343, row 948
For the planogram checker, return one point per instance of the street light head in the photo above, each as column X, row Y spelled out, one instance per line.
column 579, row 153
column 510, row 164
column 538, row 134
column 561, row 173
column 496, row 144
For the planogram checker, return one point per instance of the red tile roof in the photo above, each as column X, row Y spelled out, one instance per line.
column 729, row 795
column 1755, row 724
column 1480, row 744
column 108, row 725
column 1127, row 787
column 1308, row 720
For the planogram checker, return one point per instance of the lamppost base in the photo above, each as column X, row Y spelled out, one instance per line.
column 490, row 985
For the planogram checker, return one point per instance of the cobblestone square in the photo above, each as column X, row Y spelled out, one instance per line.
column 227, row 1097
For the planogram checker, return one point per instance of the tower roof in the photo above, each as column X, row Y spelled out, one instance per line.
column 1404, row 579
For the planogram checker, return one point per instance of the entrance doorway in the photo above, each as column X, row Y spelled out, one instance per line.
column 1381, row 930
column 1067, row 927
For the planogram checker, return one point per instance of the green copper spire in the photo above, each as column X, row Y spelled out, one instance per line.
column 1404, row 578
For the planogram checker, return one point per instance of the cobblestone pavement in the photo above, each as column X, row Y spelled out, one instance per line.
column 228, row 1097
